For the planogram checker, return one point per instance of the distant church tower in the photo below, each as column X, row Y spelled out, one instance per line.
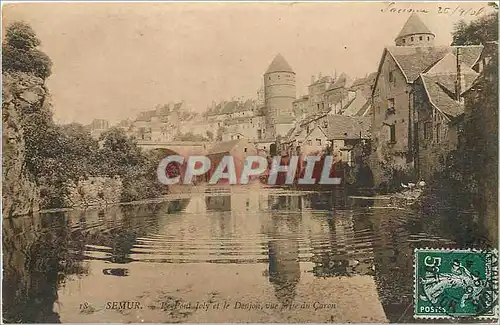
column 279, row 94
column 415, row 33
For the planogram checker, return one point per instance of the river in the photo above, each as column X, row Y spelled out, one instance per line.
column 227, row 255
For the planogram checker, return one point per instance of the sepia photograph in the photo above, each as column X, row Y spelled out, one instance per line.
column 250, row 162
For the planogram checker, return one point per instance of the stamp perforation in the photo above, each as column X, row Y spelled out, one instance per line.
column 494, row 312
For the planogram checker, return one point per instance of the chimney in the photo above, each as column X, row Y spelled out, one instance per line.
column 460, row 81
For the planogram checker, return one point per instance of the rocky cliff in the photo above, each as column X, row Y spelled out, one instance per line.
column 21, row 92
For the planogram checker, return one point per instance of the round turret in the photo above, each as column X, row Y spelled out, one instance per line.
column 415, row 33
column 279, row 93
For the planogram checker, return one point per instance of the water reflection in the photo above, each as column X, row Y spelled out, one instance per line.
column 294, row 236
column 37, row 258
column 283, row 246
column 41, row 252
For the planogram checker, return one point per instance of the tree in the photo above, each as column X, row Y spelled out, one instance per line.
column 20, row 51
column 121, row 156
column 479, row 31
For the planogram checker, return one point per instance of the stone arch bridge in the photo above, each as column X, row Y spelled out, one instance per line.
column 182, row 148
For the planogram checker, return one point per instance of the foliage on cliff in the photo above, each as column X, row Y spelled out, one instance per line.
column 20, row 52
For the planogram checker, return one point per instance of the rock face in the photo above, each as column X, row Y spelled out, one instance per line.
column 20, row 194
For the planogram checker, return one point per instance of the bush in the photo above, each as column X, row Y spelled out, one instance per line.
column 20, row 53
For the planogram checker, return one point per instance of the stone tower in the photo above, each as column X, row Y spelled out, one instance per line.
column 415, row 33
column 279, row 94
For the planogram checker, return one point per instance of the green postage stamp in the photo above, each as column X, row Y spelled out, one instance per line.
column 456, row 283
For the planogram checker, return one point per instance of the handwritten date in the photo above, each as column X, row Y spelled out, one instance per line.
column 458, row 10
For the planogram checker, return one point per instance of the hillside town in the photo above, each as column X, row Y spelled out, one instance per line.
column 410, row 109
column 148, row 212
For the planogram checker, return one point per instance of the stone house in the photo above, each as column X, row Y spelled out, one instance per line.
column 228, row 119
column 315, row 141
column 338, row 95
column 393, row 120
column 439, row 107
column 300, row 106
column 296, row 135
column 362, row 104
column 238, row 149
column 316, row 94
column 346, row 134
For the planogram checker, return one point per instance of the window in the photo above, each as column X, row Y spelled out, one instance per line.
column 391, row 103
column 392, row 133
column 411, row 38
column 404, row 40
column 391, row 76
column 391, row 106
column 309, row 142
column 420, row 38
column 428, row 38
column 238, row 137
column 325, row 124
column 438, row 132
column 427, row 130
column 318, row 142
column 245, row 149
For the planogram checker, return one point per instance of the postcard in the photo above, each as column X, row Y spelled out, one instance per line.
column 250, row 162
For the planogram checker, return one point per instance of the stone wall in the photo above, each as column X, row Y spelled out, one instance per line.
column 390, row 154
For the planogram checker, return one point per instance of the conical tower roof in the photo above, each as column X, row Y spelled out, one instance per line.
column 414, row 26
column 279, row 64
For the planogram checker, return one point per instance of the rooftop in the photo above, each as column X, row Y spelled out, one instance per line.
column 343, row 81
column 279, row 64
column 368, row 80
column 348, row 127
column 414, row 60
column 441, row 91
column 414, row 26
column 234, row 106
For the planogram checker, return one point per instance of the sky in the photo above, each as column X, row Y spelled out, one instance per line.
column 114, row 60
